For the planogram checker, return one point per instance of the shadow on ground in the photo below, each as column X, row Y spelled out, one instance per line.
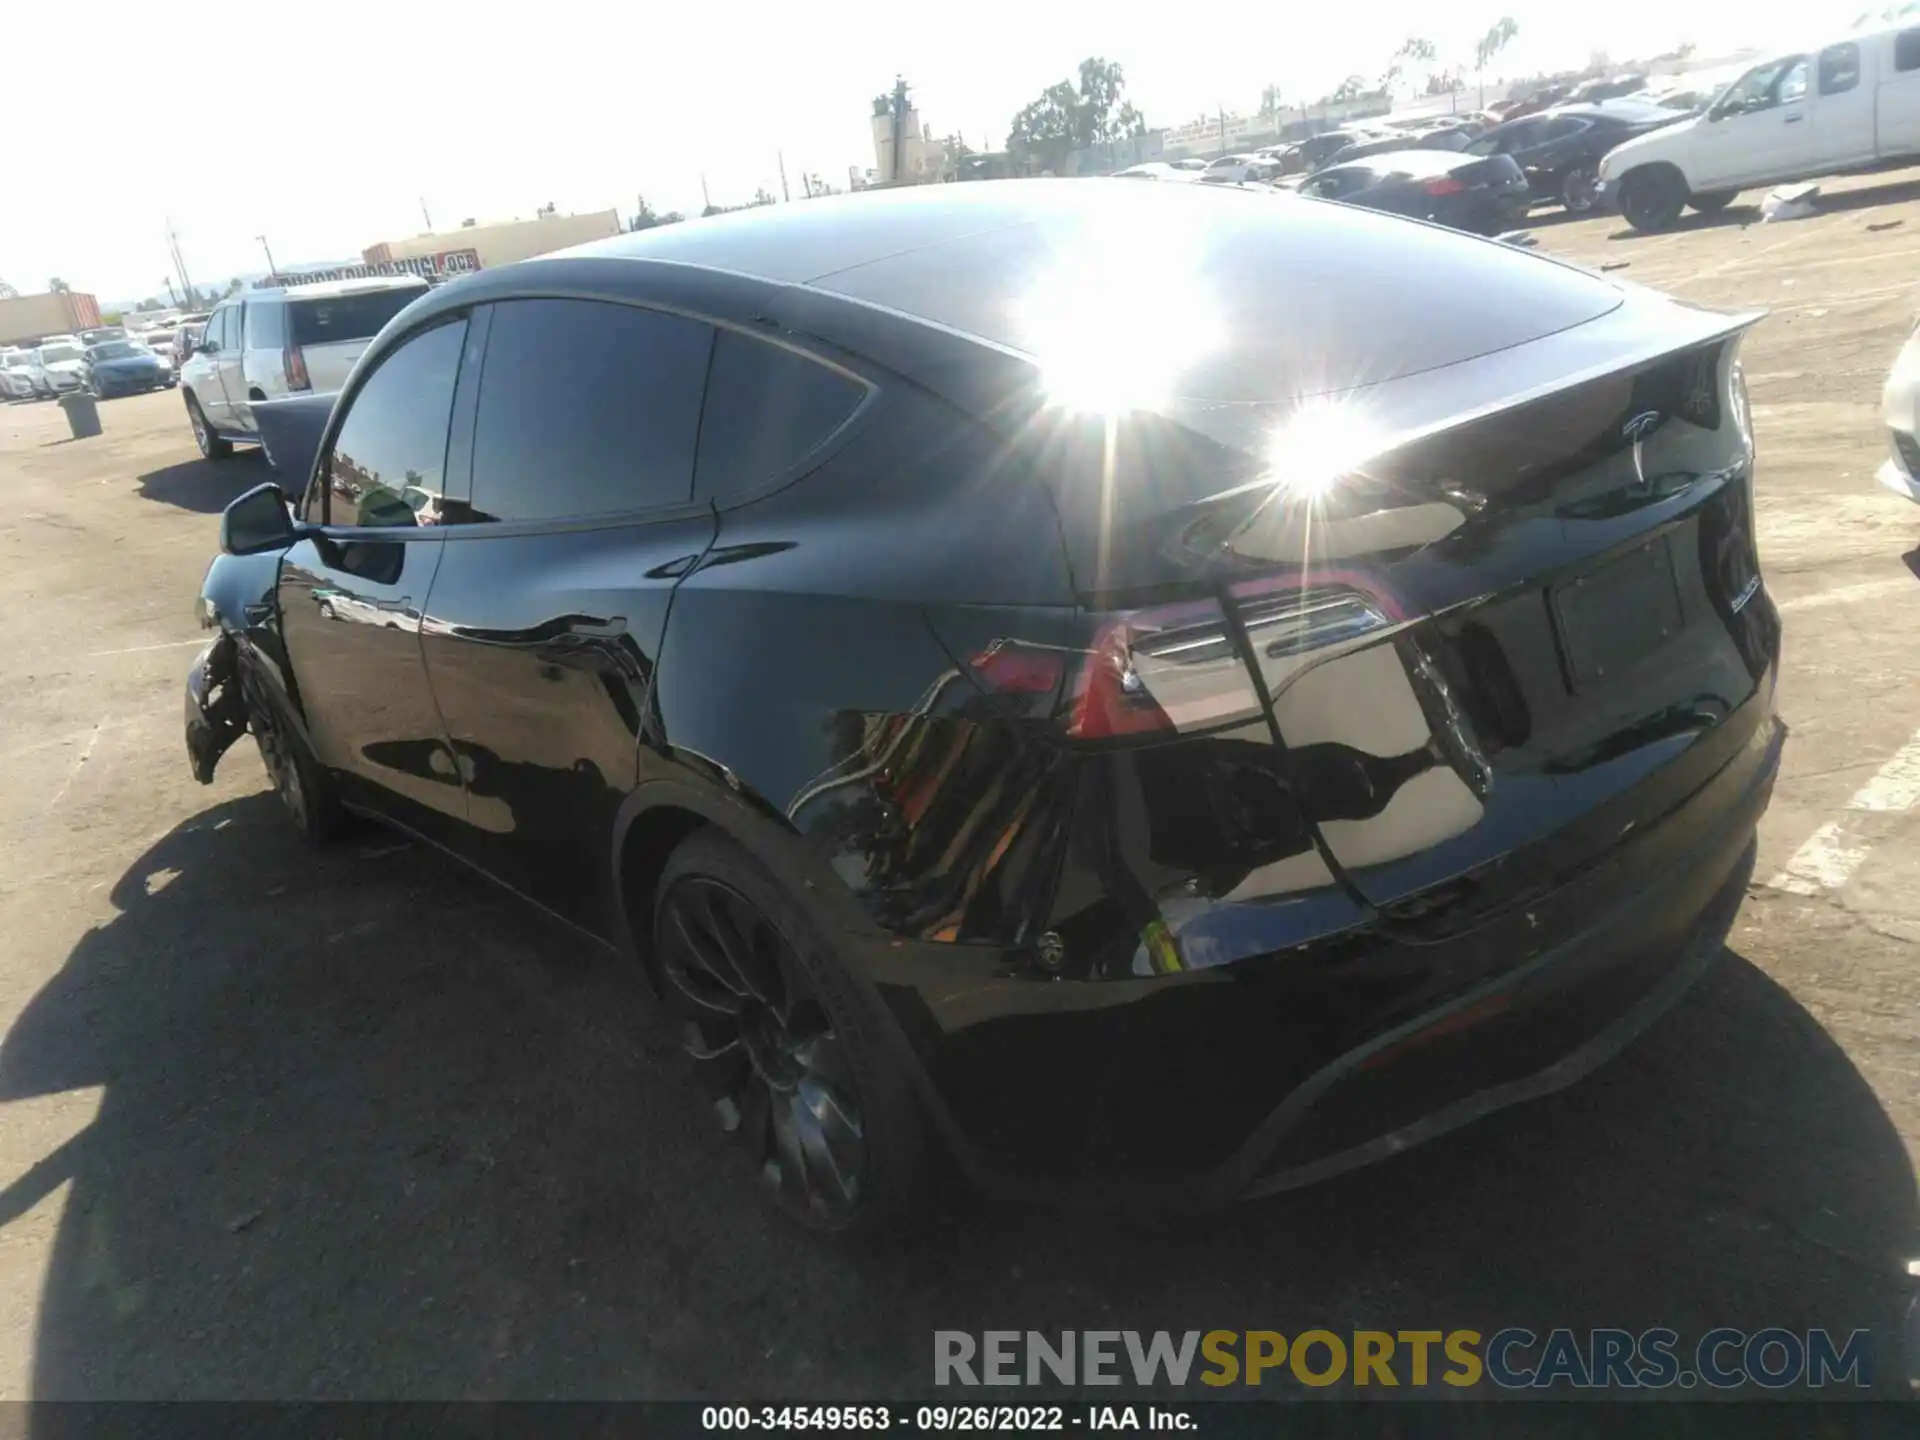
column 370, row 1128
column 206, row 486
column 1831, row 202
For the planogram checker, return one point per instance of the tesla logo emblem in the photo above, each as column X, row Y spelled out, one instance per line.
column 1641, row 426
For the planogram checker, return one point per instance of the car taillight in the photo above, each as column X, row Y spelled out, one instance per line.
column 1175, row 669
column 1445, row 185
column 296, row 367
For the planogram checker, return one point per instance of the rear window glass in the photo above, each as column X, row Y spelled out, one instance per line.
column 114, row 350
column 767, row 409
column 320, row 321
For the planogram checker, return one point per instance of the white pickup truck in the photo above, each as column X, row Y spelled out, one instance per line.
column 1852, row 104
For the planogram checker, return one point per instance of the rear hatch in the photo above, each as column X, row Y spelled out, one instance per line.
column 1462, row 535
column 1486, row 654
column 330, row 332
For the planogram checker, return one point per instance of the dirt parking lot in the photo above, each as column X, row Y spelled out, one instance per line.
column 355, row 1125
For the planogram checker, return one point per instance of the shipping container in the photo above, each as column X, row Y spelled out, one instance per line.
column 25, row 318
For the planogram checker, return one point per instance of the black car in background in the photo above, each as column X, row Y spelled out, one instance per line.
column 1311, row 153
column 1560, row 149
column 1458, row 191
column 1144, row 743
column 1448, row 137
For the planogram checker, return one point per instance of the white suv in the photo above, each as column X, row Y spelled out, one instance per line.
column 267, row 344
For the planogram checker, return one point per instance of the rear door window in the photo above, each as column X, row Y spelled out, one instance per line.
column 1906, row 50
column 389, row 459
column 266, row 327
column 322, row 320
column 767, row 408
column 1839, row 68
column 587, row 409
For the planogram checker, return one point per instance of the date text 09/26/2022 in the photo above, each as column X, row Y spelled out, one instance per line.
column 943, row 1418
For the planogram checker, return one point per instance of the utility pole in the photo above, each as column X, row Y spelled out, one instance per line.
column 180, row 263
column 1223, row 127
column 173, row 297
column 272, row 269
column 705, row 199
column 424, row 215
column 780, row 156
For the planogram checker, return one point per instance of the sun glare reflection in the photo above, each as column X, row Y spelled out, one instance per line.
column 1121, row 314
column 1318, row 443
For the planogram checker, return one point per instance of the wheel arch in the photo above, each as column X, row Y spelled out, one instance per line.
column 1663, row 165
column 663, row 811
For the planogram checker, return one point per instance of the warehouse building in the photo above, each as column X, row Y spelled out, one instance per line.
column 25, row 318
column 499, row 244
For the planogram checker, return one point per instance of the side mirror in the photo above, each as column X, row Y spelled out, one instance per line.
column 257, row 522
column 204, row 347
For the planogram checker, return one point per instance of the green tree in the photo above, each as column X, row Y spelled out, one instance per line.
column 646, row 217
column 1351, row 88
column 58, row 286
column 1069, row 117
column 1270, row 104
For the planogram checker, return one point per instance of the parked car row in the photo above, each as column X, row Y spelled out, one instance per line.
column 70, row 364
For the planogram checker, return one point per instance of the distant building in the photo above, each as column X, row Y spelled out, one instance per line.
column 25, row 318
column 923, row 159
column 498, row 244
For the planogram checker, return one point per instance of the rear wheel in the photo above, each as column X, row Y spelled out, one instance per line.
column 789, row 1054
column 302, row 785
column 1714, row 203
column 212, row 446
column 1652, row 198
column 1579, row 190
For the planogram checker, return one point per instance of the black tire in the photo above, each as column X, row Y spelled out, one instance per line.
column 305, row 789
column 212, row 445
column 1652, row 198
column 1714, row 203
column 1579, row 190
column 790, row 1054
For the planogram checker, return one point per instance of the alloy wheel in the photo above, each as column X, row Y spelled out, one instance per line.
column 764, row 1046
column 199, row 423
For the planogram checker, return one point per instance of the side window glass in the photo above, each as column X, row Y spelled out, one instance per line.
column 1793, row 85
column 767, row 408
column 1839, row 68
column 586, row 408
column 216, row 332
column 266, row 329
column 388, row 462
column 1906, row 50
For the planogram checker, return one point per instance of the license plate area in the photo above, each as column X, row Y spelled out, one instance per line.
column 1609, row 618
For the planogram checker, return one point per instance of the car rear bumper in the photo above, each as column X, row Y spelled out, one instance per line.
column 1092, row 1093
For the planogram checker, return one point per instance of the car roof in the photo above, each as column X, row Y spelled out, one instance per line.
column 1623, row 107
column 328, row 289
column 1410, row 162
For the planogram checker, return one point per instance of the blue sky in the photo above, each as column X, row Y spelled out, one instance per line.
column 322, row 127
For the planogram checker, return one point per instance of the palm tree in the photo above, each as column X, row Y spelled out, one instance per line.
column 1270, row 104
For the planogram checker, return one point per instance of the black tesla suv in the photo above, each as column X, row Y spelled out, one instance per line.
column 1109, row 690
